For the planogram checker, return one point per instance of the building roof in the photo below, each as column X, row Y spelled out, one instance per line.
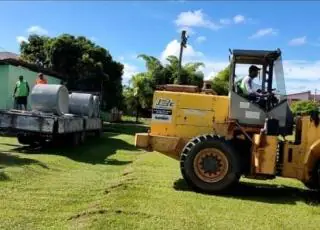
column 308, row 93
column 297, row 94
column 8, row 55
column 8, row 58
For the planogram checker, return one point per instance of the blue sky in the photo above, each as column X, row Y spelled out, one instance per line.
column 128, row 28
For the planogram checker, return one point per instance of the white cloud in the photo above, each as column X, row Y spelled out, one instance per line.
column 264, row 32
column 195, row 19
column 21, row 39
column 173, row 48
column 128, row 71
column 301, row 69
column 238, row 19
column 187, row 29
column 93, row 39
column 298, row 41
column 37, row 30
column 121, row 58
column 201, row 39
column 225, row 21
column 191, row 19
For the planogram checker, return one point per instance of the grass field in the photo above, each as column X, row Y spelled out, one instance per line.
column 108, row 184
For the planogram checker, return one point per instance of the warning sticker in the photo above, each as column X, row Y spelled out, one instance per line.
column 162, row 115
column 244, row 105
column 252, row 115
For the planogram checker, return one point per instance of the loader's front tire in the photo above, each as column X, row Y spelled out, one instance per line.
column 210, row 164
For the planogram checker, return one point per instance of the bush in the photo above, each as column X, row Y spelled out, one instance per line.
column 304, row 107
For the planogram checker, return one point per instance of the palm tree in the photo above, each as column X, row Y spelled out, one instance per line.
column 168, row 74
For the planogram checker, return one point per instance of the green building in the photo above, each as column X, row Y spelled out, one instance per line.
column 11, row 67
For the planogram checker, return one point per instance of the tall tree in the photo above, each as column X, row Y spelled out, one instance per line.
column 155, row 69
column 220, row 82
column 168, row 74
column 35, row 50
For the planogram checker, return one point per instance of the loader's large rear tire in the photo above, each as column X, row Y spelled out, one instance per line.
column 210, row 164
column 314, row 182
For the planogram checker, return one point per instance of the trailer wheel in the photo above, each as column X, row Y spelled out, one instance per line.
column 210, row 164
column 98, row 133
column 82, row 137
column 75, row 139
column 24, row 139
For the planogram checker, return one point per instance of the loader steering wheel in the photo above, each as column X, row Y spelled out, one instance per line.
column 272, row 100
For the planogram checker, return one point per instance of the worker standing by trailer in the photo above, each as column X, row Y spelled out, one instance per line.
column 21, row 93
column 41, row 79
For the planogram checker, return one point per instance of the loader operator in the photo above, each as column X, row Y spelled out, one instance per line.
column 247, row 89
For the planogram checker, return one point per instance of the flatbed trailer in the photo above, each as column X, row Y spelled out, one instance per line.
column 33, row 127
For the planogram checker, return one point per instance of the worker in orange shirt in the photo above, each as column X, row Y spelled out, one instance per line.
column 41, row 79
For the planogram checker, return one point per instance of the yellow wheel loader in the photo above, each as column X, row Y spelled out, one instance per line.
column 218, row 139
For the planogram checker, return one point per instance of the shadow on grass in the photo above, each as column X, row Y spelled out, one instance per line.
column 3, row 176
column 266, row 193
column 7, row 160
column 128, row 129
column 93, row 151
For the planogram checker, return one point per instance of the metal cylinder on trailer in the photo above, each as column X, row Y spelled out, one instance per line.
column 96, row 104
column 81, row 104
column 50, row 98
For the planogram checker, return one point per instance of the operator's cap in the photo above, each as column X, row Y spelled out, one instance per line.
column 254, row 68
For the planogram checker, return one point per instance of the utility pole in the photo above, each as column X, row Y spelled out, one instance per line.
column 183, row 44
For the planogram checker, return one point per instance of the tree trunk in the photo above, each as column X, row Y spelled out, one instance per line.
column 137, row 111
column 137, row 115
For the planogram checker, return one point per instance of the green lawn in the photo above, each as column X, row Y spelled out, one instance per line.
column 108, row 184
column 130, row 119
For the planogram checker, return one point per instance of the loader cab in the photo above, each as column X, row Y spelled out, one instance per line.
column 270, row 82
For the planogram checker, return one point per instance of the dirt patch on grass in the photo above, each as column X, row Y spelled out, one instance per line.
column 133, row 213
column 88, row 213
column 127, row 171
column 123, row 181
column 105, row 211
column 115, row 186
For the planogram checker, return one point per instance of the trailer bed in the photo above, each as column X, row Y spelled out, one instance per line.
column 34, row 124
